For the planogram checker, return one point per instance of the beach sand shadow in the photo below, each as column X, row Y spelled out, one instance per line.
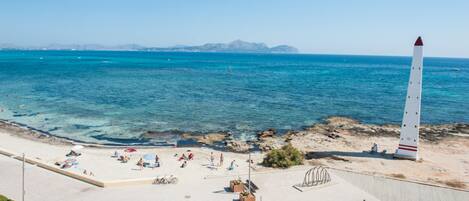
column 226, row 190
column 337, row 155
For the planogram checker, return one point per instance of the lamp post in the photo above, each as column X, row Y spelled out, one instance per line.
column 249, row 166
column 22, row 192
column 249, row 173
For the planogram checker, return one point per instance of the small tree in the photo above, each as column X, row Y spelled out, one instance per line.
column 285, row 157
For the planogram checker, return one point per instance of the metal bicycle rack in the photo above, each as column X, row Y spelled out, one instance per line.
column 316, row 176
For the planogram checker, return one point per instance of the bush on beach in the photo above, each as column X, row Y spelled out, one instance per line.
column 285, row 157
column 3, row 198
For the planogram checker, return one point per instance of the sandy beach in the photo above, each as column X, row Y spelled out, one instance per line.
column 105, row 167
column 197, row 181
column 444, row 162
column 442, row 170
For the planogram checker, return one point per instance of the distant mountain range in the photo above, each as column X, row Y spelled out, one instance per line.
column 237, row 46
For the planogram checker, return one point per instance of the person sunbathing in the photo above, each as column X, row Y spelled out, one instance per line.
column 116, row 154
column 66, row 165
column 191, row 156
column 183, row 157
column 184, row 164
column 124, row 159
column 140, row 162
column 73, row 153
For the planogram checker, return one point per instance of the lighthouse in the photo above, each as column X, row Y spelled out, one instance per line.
column 409, row 138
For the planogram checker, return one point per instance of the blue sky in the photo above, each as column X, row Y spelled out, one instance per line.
column 338, row 27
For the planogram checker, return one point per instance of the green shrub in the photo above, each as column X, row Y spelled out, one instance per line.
column 285, row 157
column 3, row 198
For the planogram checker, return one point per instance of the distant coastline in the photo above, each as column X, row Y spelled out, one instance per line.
column 237, row 46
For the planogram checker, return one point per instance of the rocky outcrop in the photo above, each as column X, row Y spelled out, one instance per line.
column 334, row 127
column 237, row 146
column 207, row 139
column 163, row 134
column 438, row 132
column 267, row 140
column 266, row 134
column 201, row 138
column 268, row 144
column 31, row 133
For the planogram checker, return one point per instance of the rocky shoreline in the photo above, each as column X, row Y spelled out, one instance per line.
column 333, row 127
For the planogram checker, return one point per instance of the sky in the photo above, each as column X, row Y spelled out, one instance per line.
column 368, row 27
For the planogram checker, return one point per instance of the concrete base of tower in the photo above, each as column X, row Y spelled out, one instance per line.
column 405, row 154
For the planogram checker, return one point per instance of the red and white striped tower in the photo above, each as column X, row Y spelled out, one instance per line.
column 409, row 139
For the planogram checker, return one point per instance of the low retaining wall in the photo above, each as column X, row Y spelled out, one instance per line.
column 83, row 178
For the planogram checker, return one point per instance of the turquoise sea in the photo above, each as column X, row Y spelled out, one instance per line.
column 114, row 97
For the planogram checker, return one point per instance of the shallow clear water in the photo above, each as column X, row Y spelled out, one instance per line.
column 109, row 96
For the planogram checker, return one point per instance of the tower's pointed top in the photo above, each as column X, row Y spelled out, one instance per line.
column 419, row 42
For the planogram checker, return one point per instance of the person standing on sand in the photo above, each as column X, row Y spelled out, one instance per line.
column 212, row 159
column 232, row 165
column 157, row 160
column 221, row 160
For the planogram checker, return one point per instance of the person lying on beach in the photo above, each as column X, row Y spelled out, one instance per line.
column 73, row 153
column 191, row 156
column 184, row 164
column 183, row 157
column 124, row 159
column 65, row 165
column 116, row 154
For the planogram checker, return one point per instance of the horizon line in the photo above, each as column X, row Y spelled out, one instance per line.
column 214, row 52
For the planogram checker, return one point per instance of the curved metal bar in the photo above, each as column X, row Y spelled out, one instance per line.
column 316, row 176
